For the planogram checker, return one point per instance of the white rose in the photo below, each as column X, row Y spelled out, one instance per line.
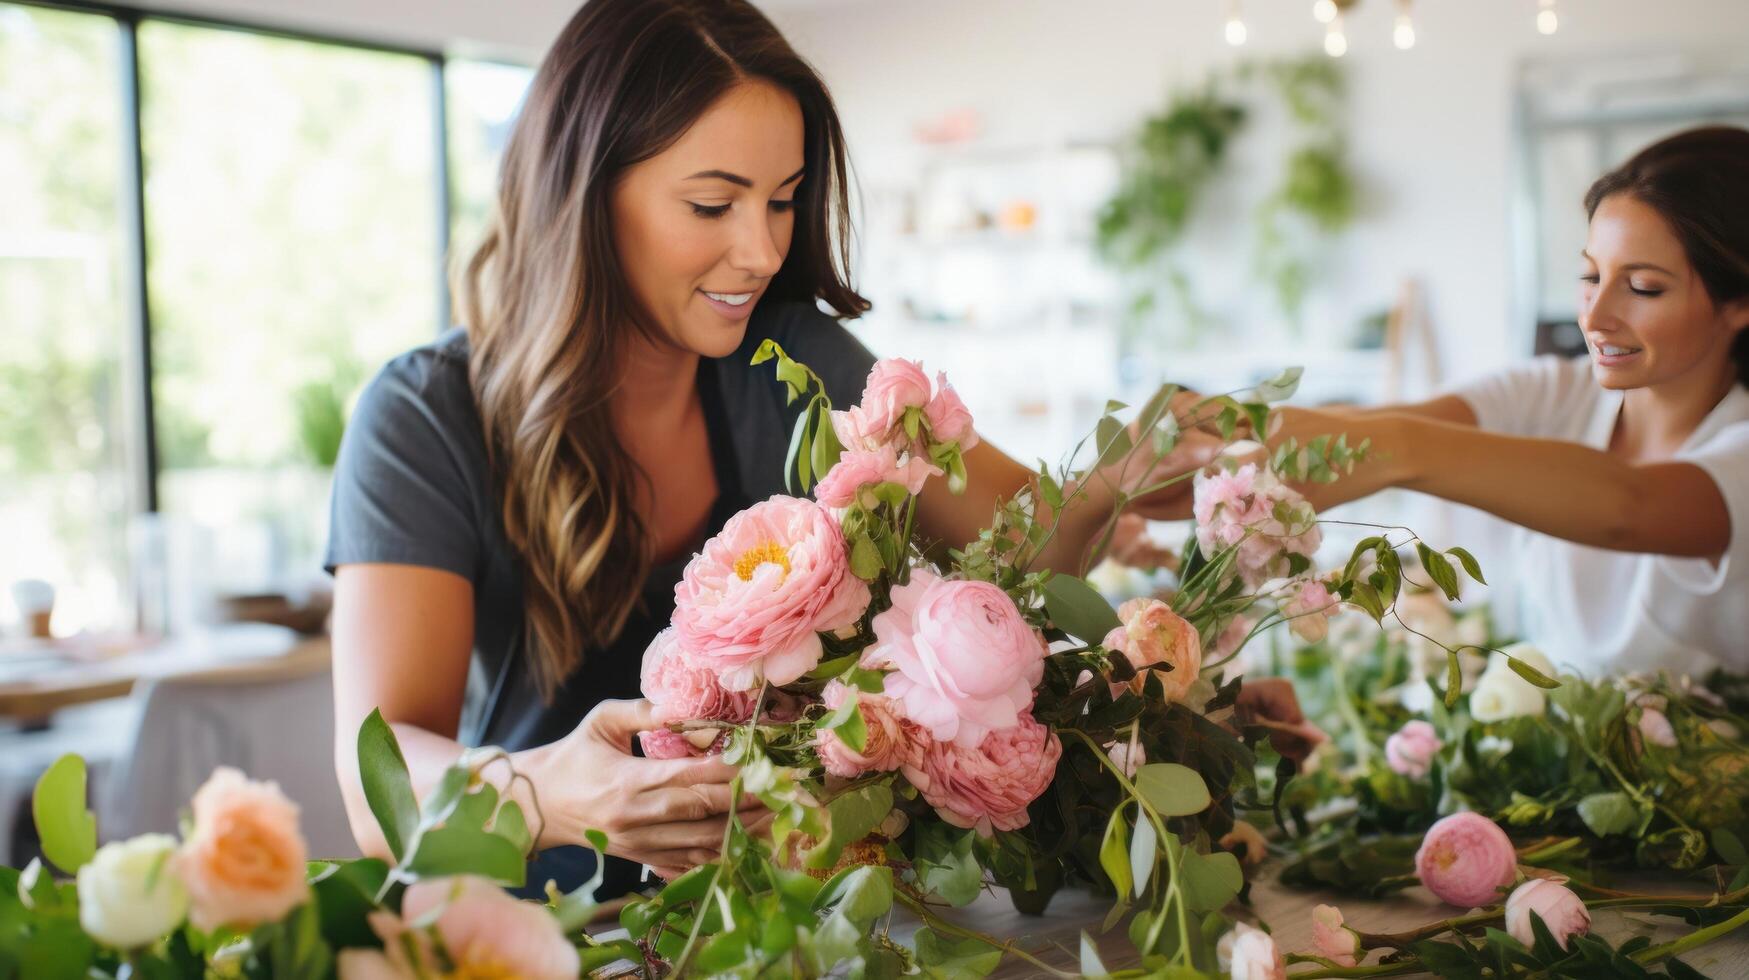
column 1502, row 694
column 128, row 895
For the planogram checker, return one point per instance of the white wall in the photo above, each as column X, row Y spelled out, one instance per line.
column 1432, row 127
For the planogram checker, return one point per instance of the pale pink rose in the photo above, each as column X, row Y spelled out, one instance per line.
column 1410, row 750
column 988, row 788
column 1127, row 756
column 1248, row 953
column 1560, row 909
column 949, row 419
column 1309, row 610
column 485, row 931
column 1153, row 634
column 753, row 603
column 1655, row 727
column 244, row 863
column 894, row 385
column 964, row 659
column 859, row 468
column 683, row 690
column 1238, row 509
column 890, row 742
column 1465, row 859
column 1330, row 940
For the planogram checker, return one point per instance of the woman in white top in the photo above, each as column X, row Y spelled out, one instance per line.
column 1627, row 470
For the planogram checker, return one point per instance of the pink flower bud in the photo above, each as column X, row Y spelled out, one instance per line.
column 1465, row 859
column 1411, row 750
column 1560, row 909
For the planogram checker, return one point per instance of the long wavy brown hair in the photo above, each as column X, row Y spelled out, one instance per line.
column 548, row 308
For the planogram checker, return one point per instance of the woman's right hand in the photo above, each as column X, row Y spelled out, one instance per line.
column 666, row 813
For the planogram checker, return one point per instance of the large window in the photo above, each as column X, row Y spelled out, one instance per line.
column 291, row 199
column 64, row 405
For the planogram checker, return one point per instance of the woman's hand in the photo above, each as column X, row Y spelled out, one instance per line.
column 1271, row 703
column 666, row 813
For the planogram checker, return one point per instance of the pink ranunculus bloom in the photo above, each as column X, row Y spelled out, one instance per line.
column 1309, row 609
column 1465, row 859
column 1248, row 953
column 244, row 863
column 859, row 468
column 964, row 659
column 949, row 419
column 890, row 742
column 1330, row 939
column 1410, row 750
column 1153, row 634
column 485, row 931
column 988, row 788
column 752, row 604
column 1655, row 727
column 683, row 690
column 660, row 743
column 1238, row 509
column 1561, row 910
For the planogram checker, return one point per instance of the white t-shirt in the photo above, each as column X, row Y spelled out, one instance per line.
column 1600, row 611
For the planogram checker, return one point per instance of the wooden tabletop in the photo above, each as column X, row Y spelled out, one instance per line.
column 38, row 695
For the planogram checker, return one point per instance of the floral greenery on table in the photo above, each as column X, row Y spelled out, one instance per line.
column 920, row 722
column 1631, row 773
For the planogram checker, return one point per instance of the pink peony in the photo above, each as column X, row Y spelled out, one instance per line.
column 1465, row 859
column 891, row 741
column 1560, row 909
column 1411, row 749
column 753, row 603
column 989, row 787
column 1330, row 939
column 1655, row 727
column 949, row 419
column 1153, row 634
column 682, row 690
column 966, row 661
column 1238, row 510
column 1309, row 610
column 485, row 931
column 859, row 468
column 1248, row 953
column 244, row 863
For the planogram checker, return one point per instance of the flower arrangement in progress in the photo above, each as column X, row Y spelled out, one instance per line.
column 922, row 722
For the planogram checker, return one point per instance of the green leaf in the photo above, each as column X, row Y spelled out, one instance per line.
column 849, row 818
column 1454, row 678
column 1144, row 853
column 1729, row 847
column 1209, row 881
column 595, row 957
column 66, row 828
column 1173, row 790
column 387, row 786
column 1078, row 609
column 345, row 894
column 861, row 894
column 1471, row 565
column 577, row 907
column 965, row 959
column 796, row 460
column 846, row 722
column 1609, row 813
column 1114, row 850
column 1439, row 570
column 947, row 865
column 298, row 949
column 1531, row 674
column 457, row 851
column 1280, row 387
column 511, row 825
column 474, row 810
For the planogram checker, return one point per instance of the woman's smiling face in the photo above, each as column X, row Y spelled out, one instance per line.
column 703, row 226
column 1647, row 317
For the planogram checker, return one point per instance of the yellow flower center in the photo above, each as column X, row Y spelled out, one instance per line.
column 766, row 553
column 483, row 969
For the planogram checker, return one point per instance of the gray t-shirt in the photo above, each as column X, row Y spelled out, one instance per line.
column 412, row 487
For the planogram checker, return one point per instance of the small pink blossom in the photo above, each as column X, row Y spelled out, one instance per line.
column 949, row 419
column 753, row 603
column 890, row 741
column 1239, row 510
column 1247, row 953
column 1330, row 939
column 1309, row 610
column 1561, row 911
column 485, row 931
column 1127, row 756
column 1465, row 859
column 964, row 659
column 1410, row 751
column 857, row 469
column 1655, row 727
column 989, row 787
column 1153, row 634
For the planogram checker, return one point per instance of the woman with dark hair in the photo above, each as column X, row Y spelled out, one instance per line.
column 1626, row 470
column 515, row 502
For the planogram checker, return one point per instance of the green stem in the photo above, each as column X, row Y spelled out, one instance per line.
column 1398, row 969
column 939, row 924
column 1403, row 940
column 1363, row 747
column 1653, row 954
column 903, row 573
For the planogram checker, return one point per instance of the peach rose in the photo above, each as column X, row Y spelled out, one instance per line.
column 890, row 742
column 244, row 863
column 988, row 788
column 1465, row 859
column 485, row 932
column 752, row 604
column 965, row 660
column 1153, row 634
